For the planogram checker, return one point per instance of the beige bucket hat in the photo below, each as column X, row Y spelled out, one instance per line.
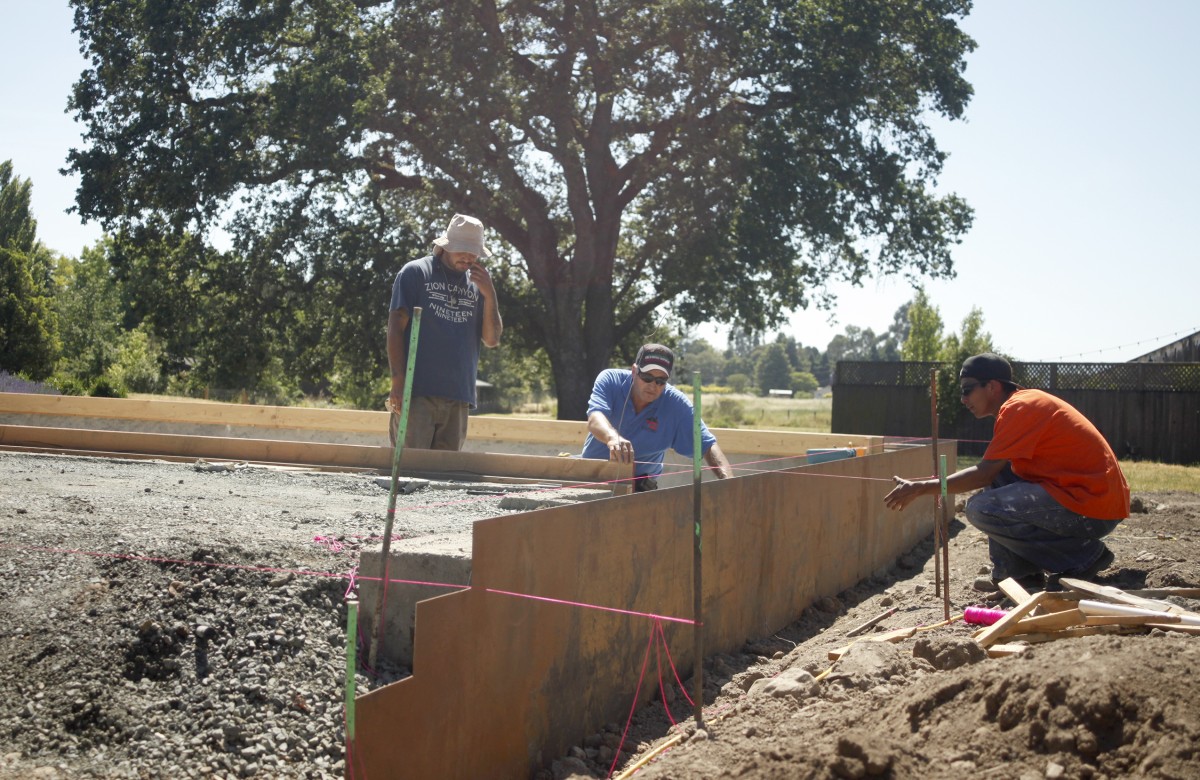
column 463, row 234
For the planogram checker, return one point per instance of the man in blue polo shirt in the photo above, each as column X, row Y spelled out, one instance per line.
column 634, row 415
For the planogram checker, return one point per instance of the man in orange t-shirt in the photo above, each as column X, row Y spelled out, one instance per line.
column 1055, row 488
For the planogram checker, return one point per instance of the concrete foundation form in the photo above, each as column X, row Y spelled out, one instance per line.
column 503, row 683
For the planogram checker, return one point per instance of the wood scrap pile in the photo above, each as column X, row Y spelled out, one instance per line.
column 1081, row 609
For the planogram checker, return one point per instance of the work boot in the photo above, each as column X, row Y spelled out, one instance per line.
column 1088, row 572
column 1032, row 583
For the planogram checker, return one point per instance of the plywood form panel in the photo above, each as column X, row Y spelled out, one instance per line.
column 502, row 685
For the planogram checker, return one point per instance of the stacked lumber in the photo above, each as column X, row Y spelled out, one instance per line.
column 1083, row 609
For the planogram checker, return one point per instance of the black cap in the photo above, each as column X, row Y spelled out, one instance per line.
column 987, row 366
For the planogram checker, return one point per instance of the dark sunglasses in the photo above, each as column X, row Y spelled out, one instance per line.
column 966, row 390
column 648, row 378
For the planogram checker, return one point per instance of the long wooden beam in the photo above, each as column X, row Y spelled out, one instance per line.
column 466, row 464
column 568, row 435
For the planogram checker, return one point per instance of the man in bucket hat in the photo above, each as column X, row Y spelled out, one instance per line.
column 1054, row 486
column 636, row 416
column 458, row 301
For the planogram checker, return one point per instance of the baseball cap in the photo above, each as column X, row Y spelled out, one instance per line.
column 656, row 356
column 987, row 366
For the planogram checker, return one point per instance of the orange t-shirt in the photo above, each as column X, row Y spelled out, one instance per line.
column 1049, row 442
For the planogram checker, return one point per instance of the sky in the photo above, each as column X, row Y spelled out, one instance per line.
column 1077, row 152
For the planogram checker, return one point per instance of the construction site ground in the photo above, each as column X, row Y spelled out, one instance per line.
column 187, row 620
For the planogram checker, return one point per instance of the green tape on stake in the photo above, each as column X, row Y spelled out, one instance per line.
column 942, row 474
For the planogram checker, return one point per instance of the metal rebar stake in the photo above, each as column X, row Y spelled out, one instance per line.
column 697, row 586
column 938, row 541
column 397, row 451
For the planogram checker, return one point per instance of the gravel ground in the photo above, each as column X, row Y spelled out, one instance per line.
column 185, row 620
column 166, row 620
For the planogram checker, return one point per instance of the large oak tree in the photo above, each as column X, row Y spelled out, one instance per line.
column 726, row 159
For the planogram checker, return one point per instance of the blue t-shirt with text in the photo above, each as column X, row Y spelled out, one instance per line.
column 451, row 328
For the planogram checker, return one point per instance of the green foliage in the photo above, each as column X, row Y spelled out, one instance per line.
column 699, row 356
column 739, row 382
column 68, row 384
column 29, row 342
column 803, row 383
column 631, row 157
column 136, row 367
column 106, row 388
column 90, row 314
column 773, row 370
column 726, row 413
column 924, row 340
column 516, row 379
column 971, row 340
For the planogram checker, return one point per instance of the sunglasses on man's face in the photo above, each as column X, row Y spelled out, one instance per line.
column 648, row 378
column 969, row 388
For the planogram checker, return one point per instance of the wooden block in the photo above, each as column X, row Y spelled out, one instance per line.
column 1051, row 622
column 1120, row 596
column 1070, row 633
column 1011, row 588
column 1129, row 620
column 1179, row 627
column 895, row 635
column 1160, row 593
column 1002, row 626
column 1005, row 650
column 1089, row 607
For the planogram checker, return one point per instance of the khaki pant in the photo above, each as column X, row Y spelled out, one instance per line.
column 433, row 424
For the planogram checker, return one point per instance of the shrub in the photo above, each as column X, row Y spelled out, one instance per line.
column 727, row 413
column 739, row 382
column 106, row 388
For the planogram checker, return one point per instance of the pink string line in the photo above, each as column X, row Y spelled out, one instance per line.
column 633, row 707
column 662, row 690
column 352, row 576
column 650, row 615
column 674, row 671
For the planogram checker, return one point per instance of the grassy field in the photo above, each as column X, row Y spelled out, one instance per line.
column 1146, row 476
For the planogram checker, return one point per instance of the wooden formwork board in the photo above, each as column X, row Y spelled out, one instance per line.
column 468, row 465
column 502, row 684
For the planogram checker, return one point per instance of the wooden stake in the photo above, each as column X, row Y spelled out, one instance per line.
column 878, row 618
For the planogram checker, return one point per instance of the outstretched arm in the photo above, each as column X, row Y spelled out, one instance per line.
column 619, row 448
column 720, row 464
column 908, row 490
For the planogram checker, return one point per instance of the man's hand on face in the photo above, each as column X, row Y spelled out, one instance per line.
column 482, row 279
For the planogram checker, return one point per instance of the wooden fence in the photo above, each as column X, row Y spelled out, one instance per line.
column 1146, row 411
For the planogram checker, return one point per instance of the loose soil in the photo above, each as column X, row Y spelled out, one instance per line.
column 176, row 620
